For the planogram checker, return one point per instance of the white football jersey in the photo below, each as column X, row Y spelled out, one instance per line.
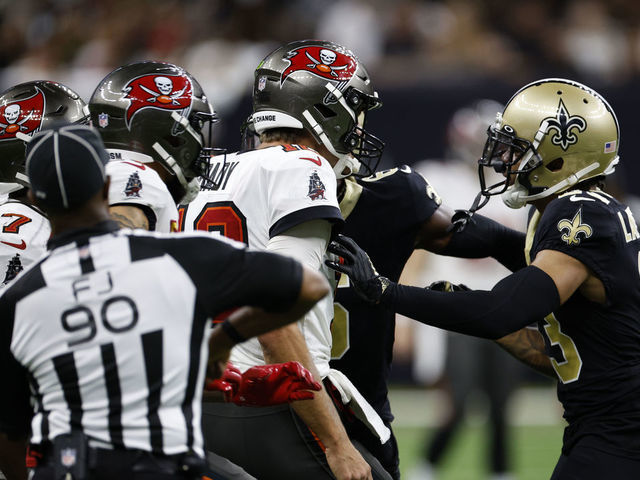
column 262, row 194
column 137, row 184
column 23, row 237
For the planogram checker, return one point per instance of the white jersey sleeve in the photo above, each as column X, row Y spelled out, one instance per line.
column 301, row 186
column 24, row 234
column 134, row 183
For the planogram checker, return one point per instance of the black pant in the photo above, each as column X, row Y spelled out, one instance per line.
column 587, row 463
column 270, row 443
column 123, row 465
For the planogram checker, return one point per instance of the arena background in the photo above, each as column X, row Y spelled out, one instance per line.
column 427, row 59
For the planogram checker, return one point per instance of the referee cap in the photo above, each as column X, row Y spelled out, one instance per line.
column 65, row 165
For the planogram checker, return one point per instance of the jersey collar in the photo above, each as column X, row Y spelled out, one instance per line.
column 78, row 234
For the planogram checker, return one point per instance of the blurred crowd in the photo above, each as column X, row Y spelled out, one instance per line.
column 402, row 41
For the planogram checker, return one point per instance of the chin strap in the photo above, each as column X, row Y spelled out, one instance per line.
column 347, row 164
column 516, row 196
column 461, row 218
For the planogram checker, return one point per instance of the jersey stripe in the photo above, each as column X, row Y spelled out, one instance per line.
column 112, row 382
column 86, row 262
column 65, row 367
column 195, row 348
column 153, row 362
column 44, row 415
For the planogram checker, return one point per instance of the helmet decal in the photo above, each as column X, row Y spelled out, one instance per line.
column 162, row 92
column 322, row 62
column 563, row 123
column 23, row 116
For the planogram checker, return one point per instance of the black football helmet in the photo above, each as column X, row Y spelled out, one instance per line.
column 160, row 110
column 25, row 109
column 323, row 88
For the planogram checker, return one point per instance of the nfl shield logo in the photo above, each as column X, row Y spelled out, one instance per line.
column 262, row 83
column 68, row 457
column 103, row 120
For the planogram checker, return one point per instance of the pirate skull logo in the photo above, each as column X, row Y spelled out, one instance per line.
column 331, row 64
column 164, row 84
column 11, row 113
column 165, row 92
column 23, row 116
column 325, row 64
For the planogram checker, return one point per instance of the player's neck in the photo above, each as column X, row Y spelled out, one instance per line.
column 84, row 217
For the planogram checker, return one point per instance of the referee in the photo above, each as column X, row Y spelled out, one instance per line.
column 104, row 341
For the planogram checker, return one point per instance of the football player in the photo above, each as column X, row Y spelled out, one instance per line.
column 310, row 103
column 151, row 117
column 390, row 214
column 26, row 109
column 554, row 143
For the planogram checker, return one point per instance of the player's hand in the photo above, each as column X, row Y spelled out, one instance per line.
column 446, row 286
column 347, row 463
column 265, row 385
column 228, row 383
column 355, row 263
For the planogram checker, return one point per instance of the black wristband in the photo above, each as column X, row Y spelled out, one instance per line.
column 231, row 332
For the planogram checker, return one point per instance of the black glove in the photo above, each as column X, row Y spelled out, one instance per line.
column 445, row 286
column 368, row 283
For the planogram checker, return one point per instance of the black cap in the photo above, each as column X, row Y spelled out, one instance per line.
column 65, row 165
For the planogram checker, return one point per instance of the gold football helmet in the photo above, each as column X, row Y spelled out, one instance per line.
column 553, row 134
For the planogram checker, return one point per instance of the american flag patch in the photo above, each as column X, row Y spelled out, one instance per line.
column 610, row 147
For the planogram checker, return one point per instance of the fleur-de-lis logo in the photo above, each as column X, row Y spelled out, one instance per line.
column 563, row 123
column 574, row 228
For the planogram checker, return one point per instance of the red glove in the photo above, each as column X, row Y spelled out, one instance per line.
column 266, row 385
column 228, row 383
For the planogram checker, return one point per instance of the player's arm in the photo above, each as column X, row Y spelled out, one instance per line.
column 129, row 216
column 307, row 242
column 248, row 322
column 516, row 301
column 527, row 345
column 481, row 237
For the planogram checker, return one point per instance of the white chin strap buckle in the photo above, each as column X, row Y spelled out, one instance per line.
column 346, row 166
column 515, row 196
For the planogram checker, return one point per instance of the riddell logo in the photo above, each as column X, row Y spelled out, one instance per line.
column 162, row 92
column 24, row 116
column 323, row 62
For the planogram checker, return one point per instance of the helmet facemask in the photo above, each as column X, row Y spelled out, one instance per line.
column 508, row 155
column 358, row 151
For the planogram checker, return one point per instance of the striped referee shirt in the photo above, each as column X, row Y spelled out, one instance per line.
column 107, row 334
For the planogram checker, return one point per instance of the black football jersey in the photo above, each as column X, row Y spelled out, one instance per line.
column 595, row 349
column 383, row 214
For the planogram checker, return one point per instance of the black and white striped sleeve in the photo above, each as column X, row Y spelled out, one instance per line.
column 227, row 276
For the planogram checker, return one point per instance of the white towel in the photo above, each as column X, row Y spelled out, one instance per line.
column 350, row 396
